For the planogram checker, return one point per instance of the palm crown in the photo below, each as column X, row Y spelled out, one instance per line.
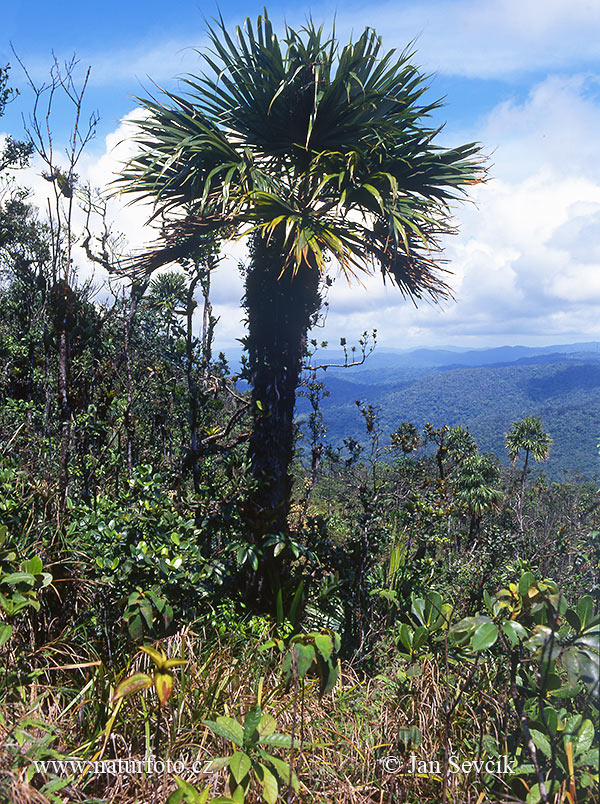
column 326, row 147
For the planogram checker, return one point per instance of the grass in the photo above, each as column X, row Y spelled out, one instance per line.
column 341, row 739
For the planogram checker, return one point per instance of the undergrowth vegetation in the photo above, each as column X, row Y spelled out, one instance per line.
column 408, row 656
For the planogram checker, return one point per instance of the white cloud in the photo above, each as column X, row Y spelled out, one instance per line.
column 526, row 265
column 487, row 38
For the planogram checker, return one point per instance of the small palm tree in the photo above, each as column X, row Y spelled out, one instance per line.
column 527, row 436
column 316, row 153
column 167, row 296
column 476, row 488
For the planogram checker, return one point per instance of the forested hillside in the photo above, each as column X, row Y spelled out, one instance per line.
column 564, row 390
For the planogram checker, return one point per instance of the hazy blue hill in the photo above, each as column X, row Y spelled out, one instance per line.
column 564, row 389
column 484, row 389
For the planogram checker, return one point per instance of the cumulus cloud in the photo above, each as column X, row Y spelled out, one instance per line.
column 526, row 264
column 488, row 38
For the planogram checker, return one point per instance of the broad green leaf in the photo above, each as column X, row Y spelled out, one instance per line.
column 433, row 607
column 565, row 692
column 271, row 643
column 541, row 741
column 187, row 793
column 585, row 609
column 270, row 786
column 534, row 796
column 34, row 565
column 44, row 579
column 238, row 795
column 5, row 632
column 485, row 636
column 251, row 722
column 420, row 637
column 590, row 639
column 589, row 668
column 462, row 630
column 405, row 635
column 585, row 737
column 282, row 770
column 216, row 764
column 239, row 765
column 572, row 618
column 147, row 612
column 223, row 800
column 15, row 578
column 305, row 656
column 552, row 720
column 135, row 626
column 590, row 758
column 228, row 728
column 267, row 725
column 279, row 606
column 571, row 665
column 418, row 609
column 324, row 645
column 277, row 740
column 328, row 678
column 527, row 580
column 514, row 631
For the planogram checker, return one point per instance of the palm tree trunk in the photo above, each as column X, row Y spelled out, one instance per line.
column 281, row 308
column 521, row 501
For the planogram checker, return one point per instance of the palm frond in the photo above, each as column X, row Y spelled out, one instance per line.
column 329, row 145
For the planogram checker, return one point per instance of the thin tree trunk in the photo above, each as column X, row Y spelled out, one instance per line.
column 65, row 418
column 520, row 515
column 193, row 401
column 47, row 383
column 137, row 291
column 280, row 311
column 64, row 303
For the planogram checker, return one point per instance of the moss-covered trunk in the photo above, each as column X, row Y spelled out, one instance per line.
column 280, row 308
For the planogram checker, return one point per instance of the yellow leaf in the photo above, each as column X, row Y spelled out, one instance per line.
column 158, row 657
column 132, row 684
column 163, row 683
column 175, row 663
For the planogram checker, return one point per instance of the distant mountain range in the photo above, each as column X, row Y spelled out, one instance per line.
column 484, row 389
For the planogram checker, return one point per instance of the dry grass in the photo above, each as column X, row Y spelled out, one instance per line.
column 341, row 739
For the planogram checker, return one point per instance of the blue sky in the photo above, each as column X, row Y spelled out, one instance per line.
column 130, row 45
column 520, row 76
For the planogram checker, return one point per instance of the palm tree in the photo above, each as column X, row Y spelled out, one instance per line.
column 318, row 153
column 167, row 296
column 476, row 489
column 527, row 436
